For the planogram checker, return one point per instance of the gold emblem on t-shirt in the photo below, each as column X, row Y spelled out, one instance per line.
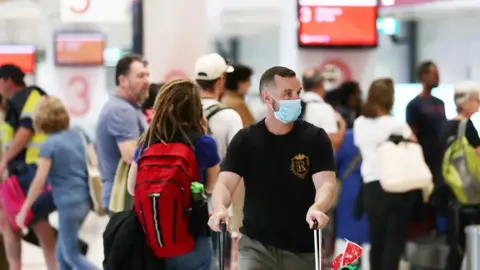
column 300, row 165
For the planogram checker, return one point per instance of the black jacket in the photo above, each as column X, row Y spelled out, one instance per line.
column 125, row 246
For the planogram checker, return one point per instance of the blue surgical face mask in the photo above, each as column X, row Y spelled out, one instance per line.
column 288, row 110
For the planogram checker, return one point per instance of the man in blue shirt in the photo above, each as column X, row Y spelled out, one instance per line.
column 121, row 120
column 426, row 117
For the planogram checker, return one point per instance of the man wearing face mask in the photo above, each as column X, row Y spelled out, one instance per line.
column 289, row 174
column 121, row 120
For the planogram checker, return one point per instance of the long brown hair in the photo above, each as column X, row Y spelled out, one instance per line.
column 380, row 97
column 177, row 111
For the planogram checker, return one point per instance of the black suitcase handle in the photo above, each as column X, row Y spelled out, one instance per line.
column 222, row 242
column 317, row 235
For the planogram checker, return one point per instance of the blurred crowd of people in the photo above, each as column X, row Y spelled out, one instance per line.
column 270, row 173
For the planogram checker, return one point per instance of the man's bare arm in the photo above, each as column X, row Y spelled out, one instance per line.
column 224, row 188
column 326, row 186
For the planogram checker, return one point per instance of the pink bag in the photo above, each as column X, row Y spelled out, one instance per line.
column 12, row 199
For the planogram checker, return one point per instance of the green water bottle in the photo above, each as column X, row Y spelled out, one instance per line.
column 198, row 192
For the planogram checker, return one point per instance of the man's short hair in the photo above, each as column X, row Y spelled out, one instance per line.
column 14, row 73
column 207, row 85
column 312, row 80
column 123, row 65
column 268, row 76
column 241, row 73
column 424, row 68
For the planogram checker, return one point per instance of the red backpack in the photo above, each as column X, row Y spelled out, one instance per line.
column 163, row 199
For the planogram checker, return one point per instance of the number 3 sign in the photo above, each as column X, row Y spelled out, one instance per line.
column 91, row 11
column 78, row 95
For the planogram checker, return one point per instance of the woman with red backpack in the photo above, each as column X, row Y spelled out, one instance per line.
column 172, row 160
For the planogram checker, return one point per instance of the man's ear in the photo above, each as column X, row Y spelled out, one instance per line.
column 122, row 79
column 265, row 97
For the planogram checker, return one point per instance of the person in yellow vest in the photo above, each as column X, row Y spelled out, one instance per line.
column 3, row 256
column 21, row 148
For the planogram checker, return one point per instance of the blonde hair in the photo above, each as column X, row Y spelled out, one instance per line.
column 50, row 115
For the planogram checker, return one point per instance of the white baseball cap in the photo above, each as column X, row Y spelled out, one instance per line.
column 211, row 66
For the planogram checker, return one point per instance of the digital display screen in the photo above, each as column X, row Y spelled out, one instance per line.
column 22, row 56
column 337, row 23
column 79, row 49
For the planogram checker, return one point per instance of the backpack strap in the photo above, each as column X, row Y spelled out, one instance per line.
column 214, row 109
column 351, row 167
column 462, row 128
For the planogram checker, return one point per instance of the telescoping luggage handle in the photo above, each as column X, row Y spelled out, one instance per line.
column 317, row 235
column 222, row 240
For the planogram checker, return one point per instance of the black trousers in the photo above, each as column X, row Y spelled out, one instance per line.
column 458, row 219
column 389, row 217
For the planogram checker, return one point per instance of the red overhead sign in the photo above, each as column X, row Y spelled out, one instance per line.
column 397, row 3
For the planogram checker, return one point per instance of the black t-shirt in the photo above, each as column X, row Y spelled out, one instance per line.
column 426, row 116
column 451, row 132
column 279, row 189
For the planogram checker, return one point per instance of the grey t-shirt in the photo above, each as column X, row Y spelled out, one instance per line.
column 68, row 173
column 119, row 121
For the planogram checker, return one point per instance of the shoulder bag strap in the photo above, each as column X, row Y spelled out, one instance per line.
column 462, row 128
column 85, row 149
column 353, row 164
column 213, row 109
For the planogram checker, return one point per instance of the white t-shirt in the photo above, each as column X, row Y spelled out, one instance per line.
column 223, row 125
column 319, row 113
column 368, row 134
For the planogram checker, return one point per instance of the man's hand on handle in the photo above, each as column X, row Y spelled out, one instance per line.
column 313, row 215
column 217, row 218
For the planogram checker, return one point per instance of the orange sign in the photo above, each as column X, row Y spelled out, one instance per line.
column 337, row 23
column 22, row 56
column 79, row 49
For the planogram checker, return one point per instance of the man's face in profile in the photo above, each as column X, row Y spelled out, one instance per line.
column 432, row 78
column 2, row 86
column 138, row 81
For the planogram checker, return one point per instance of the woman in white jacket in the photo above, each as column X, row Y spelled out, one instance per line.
column 388, row 214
